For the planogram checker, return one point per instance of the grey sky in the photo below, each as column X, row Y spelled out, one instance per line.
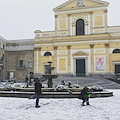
column 20, row 18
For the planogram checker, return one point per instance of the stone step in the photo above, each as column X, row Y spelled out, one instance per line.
column 53, row 94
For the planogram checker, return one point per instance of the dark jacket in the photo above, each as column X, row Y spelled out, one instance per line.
column 84, row 93
column 38, row 87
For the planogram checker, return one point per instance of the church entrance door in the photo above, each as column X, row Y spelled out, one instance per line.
column 80, row 67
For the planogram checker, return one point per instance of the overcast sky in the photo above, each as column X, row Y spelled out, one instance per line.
column 20, row 18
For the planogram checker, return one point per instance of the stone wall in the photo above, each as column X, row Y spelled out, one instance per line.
column 2, row 57
column 13, row 63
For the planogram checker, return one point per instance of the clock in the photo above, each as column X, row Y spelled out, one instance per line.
column 79, row 3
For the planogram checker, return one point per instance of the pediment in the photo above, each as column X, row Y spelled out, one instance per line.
column 80, row 53
column 72, row 4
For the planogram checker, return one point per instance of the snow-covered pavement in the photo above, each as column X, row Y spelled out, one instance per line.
column 61, row 109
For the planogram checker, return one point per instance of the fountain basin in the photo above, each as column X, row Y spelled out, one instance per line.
column 50, row 77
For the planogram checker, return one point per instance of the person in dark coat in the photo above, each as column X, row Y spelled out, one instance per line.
column 85, row 95
column 38, row 86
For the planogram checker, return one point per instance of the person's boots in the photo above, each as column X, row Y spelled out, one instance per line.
column 88, row 103
column 37, row 106
column 82, row 104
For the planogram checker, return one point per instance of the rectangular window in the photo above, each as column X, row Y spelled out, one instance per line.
column 3, row 46
column 29, row 63
column 21, row 63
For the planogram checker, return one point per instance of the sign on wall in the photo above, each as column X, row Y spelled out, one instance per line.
column 99, row 63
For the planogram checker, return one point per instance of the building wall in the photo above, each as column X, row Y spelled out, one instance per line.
column 16, row 51
column 63, row 57
column 2, row 57
column 13, row 63
column 95, row 47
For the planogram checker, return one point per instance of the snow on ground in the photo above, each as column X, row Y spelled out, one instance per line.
column 61, row 109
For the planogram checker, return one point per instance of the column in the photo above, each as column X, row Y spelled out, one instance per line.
column 56, row 24
column 69, row 59
column 69, row 24
column 91, row 22
column 55, row 58
column 92, row 57
column 107, row 57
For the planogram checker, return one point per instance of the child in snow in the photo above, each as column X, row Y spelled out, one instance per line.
column 85, row 95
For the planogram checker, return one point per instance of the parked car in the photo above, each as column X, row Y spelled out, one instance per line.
column 3, row 83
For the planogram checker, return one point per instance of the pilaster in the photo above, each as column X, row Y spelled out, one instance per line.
column 86, row 28
column 105, row 16
column 107, row 57
column 91, row 22
column 55, row 58
column 69, row 24
column 73, row 29
column 37, row 60
column 56, row 16
column 69, row 59
column 92, row 57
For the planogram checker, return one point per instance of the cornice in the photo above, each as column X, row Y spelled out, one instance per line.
column 79, row 53
column 59, row 8
column 73, row 39
column 62, row 5
column 84, row 10
column 37, row 31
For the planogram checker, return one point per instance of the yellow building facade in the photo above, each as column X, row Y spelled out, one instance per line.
column 82, row 43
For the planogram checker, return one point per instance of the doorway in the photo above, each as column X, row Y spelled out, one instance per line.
column 80, row 67
column 11, row 74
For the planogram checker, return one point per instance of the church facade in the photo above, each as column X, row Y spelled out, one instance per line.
column 82, row 43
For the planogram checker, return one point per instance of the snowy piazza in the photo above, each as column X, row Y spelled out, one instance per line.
column 61, row 109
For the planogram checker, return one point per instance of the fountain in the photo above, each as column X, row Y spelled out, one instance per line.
column 48, row 74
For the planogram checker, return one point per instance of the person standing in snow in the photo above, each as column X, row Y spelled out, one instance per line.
column 85, row 95
column 38, row 86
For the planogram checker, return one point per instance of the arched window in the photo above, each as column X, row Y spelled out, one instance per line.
column 116, row 51
column 47, row 54
column 80, row 27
